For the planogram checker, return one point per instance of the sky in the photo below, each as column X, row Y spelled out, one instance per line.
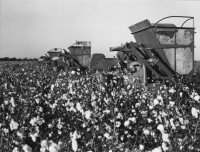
column 30, row 28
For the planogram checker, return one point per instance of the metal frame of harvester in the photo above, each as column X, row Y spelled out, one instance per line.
column 163, row 50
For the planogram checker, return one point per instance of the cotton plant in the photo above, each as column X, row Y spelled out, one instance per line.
column 13, row 125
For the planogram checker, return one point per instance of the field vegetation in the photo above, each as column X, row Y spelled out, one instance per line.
column 45, row 111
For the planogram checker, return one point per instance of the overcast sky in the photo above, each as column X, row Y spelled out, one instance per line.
column 30, row 28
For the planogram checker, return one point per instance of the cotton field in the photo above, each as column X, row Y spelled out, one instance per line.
column 45, row 111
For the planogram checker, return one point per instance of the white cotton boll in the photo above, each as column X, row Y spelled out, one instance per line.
column 118, row 124
column 183, row 127
column 27, row 148
column 197, row 97
column 151, row 107
column 19, row 134
column 158, row 149
column 5, row 85
column 74, row 144
column 93, row 96
column 106, row 111
column 172, row 123
column 6, row 102
column 161, row 128
column 133, row 119
column 163, row 114
column 171, row 90
column 149, row 120
column 159, row 97
column 42, row 149
column 78, row 106
column 33, row 121
column 52, row 87
column 16, row 149
column 194, row 112
column 73, row 72
column 171, row 103
column 141, row 147
column 126, row 123
column 155, row 102
column 44, row 143
column 106, row 135
column 129, row 86
column 181, row 120
column 12, row 102
column 54, row 147
column 146, row 132
column 137, row 105
column 88, row 114
column 119, row 116
column 37, row 101
column 33, row 137
column 181, row 94
column 13, row 125
column 165, row 137
column 164, row 146
column 93, row 103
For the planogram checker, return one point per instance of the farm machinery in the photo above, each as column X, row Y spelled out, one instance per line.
column 160, row 52
column 78, row 57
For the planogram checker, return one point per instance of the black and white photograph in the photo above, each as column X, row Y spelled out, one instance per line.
column 99, row 76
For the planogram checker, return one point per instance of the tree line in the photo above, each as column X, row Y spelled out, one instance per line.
column 17, row 59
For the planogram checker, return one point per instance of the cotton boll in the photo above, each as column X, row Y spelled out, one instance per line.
column 33, row 137
column 194, row 112
column 155, row 102
column 158, row 149
column 161, row 128
column 16, row 149
column 33, row 121
column 197, row 98
column 73, row 72
column 181, row 120
column 44, row 144
column 146, row 132
column 74, row 145
column 37, row 101
column 53, row 147
column 181, row 94
column 172, row 123
column 126, row 123
column 118, row 124
column 171, row 90
column 27, row 148
column 137, row 105
column 151, row 107
column 133, row 119
column 42, row 149
column 106, row 135
column 165, row 147
column 141, row 147
column 52, row 87
column 13, row 125
column 12, row 102
column 149, row 120
column 78, row 106
column 19, row 134
column 165, row 137
column 6, row 102
column 159, row 97
column 171, row 103
column 88, row 114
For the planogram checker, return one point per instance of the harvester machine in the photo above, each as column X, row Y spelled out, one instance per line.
column 161, row 50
